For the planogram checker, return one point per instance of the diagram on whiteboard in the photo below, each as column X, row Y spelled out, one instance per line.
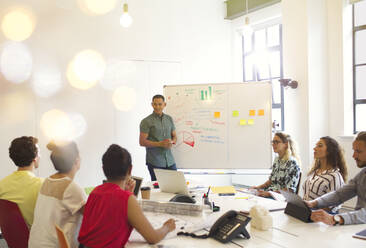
column 185, row 138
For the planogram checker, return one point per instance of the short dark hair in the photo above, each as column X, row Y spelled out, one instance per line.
column 23, row 150
column 158, row 96
column 361, row 136
column 116, row 162
column 63, row 156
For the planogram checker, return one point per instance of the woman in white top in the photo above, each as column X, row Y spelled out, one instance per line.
column 60, row 200
column 329, row 171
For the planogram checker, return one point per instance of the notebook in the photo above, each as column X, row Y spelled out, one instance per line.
column 171, row 181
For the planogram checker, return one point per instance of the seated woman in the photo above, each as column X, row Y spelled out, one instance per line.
column 329, row 171
column 60, row 200
column 285, row 170
column 112, row 210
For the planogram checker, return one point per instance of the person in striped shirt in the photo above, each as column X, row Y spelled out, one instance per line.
column 328, row 173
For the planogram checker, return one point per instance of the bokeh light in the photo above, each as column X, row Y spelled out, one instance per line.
column 86, row 69
column 124, row 98
column 46, row 80
column 97, row 7
column 55, row 124
column 119, row 73
column 58, row 125
column 79, row 124
column 15, row 107
column 16, row 62
column 18, row 24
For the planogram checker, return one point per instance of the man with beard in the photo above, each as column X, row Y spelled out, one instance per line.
column 356, row 186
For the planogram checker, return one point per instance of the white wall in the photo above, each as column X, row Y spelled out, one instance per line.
column 170, row 42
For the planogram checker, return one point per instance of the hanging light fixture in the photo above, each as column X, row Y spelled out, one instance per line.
column 126, row 19
column 247, row 29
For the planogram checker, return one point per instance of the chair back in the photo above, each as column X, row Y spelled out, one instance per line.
column 13, row 227
column 298, row 185
column 62, row 240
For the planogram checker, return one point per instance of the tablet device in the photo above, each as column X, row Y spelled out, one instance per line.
column 296, row 207
column 138, row 181
column 360, row 235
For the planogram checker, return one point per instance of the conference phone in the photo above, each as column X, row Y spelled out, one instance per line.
column 226, row 228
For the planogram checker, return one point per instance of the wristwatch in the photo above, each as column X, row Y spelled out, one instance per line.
column 337, row 218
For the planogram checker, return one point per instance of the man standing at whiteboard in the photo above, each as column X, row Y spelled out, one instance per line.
column 157, row 134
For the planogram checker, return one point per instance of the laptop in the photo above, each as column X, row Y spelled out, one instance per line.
column 171, row 181
column 296, row 207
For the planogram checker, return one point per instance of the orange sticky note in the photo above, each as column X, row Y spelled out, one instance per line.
column 243, row 122
column 261, row 112
column 235, row 113
column 252, row 112
column 217, row 114
column 250, row 122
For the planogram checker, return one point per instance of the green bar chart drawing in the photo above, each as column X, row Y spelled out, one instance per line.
column 206, row 95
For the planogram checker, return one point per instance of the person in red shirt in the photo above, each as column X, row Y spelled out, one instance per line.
column 112, row 210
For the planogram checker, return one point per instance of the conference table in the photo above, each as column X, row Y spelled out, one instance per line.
column 286, row 231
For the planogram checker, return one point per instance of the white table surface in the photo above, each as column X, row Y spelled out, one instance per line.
column 286, row 232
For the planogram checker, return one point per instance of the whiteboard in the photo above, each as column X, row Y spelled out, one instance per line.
column 221, row 126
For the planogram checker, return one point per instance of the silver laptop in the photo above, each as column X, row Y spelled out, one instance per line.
column 171, row 181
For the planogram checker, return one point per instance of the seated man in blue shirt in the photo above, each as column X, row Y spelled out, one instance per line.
column 356, row 186
column 157, row 134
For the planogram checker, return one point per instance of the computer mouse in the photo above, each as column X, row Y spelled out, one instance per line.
column 183, row 198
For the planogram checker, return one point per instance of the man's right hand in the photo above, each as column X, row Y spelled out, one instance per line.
column 167, row 143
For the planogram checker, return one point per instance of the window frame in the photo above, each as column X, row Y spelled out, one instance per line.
column 255, row 73
column 354, row 68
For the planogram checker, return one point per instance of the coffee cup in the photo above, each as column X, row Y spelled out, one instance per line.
column 145, row 192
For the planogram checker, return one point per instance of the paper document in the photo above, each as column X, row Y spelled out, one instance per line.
column 223, row 189
column 277, row 196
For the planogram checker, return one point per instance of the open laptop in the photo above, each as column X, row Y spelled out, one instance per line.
column 296, row 207
column 171, row 181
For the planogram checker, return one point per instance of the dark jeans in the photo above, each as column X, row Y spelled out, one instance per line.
column 152, row 167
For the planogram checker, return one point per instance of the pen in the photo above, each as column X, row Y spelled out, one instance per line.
column 208, row 191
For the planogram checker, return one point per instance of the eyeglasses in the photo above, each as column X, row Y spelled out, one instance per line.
column 275, row 142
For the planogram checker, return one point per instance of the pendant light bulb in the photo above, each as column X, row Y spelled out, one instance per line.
column 126, row 19
column 247, row 29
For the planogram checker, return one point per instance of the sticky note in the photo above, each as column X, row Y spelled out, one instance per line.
column 261, row 112
column 252, row 112
column 235, row 113
column 217, row 114
column 243, row 122
column 223, row 189
column 250, row 122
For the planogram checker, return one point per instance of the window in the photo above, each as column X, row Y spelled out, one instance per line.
column 262, row 60
column 359, row 66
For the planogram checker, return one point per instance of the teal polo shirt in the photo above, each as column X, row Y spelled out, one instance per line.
column 158, row 128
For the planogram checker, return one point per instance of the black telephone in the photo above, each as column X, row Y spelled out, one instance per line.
column 229, row 226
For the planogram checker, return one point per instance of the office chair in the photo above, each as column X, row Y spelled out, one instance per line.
column 13, row 227
column 62, row 240
column 298, row 185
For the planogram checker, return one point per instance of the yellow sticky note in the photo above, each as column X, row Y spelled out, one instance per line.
column 252, row 112
column 217, row 114
column 223, row 189
column 235, row 113
column 243, row 122
column 261, row 112
column 250, row 122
